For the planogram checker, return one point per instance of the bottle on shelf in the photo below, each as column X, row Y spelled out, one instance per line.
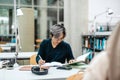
column 86, row 42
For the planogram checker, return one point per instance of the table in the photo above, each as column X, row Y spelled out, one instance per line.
column 7, row 46
column 21, row 55
column 22, row 59
column 53, row 74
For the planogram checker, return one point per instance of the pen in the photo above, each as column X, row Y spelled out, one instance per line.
column 39, row 63
column 40, row 57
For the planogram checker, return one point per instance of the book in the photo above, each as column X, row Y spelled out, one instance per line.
column 81, row 59
column 53, row 64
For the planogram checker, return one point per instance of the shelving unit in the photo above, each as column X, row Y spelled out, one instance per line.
column 94, row 43
column 7, row 43
column 6, row 38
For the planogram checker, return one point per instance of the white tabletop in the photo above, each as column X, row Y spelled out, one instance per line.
column 9, row 55
column 8, row 48
column 53, row 74
column 8, row 45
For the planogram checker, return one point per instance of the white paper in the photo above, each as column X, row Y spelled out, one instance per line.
column 53, row 64
column 1, row 64
column 83, row 57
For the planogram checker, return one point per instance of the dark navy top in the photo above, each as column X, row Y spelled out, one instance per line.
column 59, row 54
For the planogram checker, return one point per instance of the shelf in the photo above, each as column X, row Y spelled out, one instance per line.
column 7, row 35
column 96, row 50
column 99, row 34
column 95, row 42
column 84, row 35
column 102, row 33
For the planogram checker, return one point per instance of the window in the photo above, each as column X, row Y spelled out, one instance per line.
column 46, row 13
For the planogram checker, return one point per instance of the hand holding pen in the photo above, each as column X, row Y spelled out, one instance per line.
column 41, row 61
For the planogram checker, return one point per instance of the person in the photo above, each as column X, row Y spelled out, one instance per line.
column 105, row 65
column 55, row 49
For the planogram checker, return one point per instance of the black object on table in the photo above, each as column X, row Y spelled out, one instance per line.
column 64, row 68
column 36, row 70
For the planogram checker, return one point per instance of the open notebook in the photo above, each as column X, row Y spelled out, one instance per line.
column 79, row 59
column 53, row 64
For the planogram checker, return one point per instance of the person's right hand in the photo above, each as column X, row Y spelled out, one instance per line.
column 41, row 62
column 71, row 61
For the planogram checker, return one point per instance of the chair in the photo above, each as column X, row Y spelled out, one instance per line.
column 77, row 76
column 1, row 49
column 38, row 41
column 33, row 59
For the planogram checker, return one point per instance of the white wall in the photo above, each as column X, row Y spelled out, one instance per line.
column 26, row 29
column 99, row 6
column 78, row 12
column 76, row 22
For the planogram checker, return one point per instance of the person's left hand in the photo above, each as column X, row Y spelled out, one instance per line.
column 72, row 60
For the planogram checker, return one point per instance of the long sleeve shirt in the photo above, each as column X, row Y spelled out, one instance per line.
column 59, row 54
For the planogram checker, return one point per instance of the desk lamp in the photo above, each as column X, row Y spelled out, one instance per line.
column 107, row 12
column 17, row 12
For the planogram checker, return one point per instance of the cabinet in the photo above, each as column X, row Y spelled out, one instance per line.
column 6, row 38
column 7, row 43
column 94, row 42
column 6, row 28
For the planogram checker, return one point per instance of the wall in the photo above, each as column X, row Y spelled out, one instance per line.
column 79, row 13
column 98, row 6
column 26, row 29
column 76, row 22
column 43, row 20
